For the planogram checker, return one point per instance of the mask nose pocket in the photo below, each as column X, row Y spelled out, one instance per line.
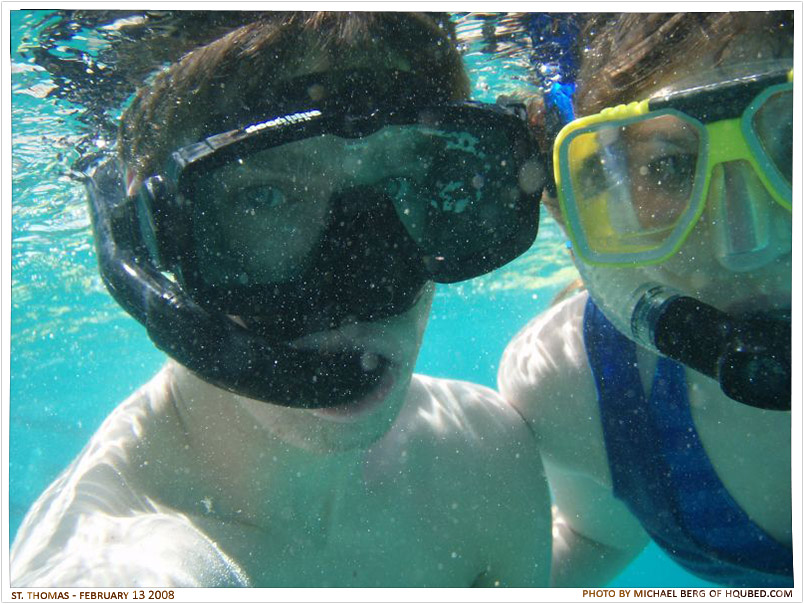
column 373, row 260
column 743, row 214
column 365, row 267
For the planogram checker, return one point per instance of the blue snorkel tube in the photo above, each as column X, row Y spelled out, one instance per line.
column 750, row 358
column 555, row 66
column 558, row 111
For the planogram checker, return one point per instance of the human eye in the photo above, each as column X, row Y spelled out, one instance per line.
column 662, row 187
column 255, row 199
column 669, row 171
column 591, row 177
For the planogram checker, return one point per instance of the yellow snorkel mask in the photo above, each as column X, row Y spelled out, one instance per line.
column 633, row 180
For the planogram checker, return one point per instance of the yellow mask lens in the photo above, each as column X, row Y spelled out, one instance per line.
column 632, row 183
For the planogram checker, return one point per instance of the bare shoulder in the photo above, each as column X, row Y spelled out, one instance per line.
column 544, row 373
column 97, row 526
column 452, row 415
column 459, row 408
column 475, row 468
column 546, row 351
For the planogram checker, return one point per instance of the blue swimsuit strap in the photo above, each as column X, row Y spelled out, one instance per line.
column 660, row 468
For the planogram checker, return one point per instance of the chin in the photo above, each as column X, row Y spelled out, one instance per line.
column 360, row 435
column 361, row 422
column 337, row 429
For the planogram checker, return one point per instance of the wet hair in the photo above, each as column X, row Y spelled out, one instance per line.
column 622, row 57
column 230, row 78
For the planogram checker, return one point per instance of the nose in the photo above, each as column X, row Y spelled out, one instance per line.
column 750, row 230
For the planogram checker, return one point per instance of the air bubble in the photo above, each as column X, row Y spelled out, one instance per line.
column 531, row 177
column 369, row 361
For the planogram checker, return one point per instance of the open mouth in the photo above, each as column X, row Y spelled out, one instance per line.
column 379, row 354
column 374, row 354
column 363, row 406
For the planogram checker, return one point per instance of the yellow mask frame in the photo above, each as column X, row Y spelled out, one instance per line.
column 722, row 117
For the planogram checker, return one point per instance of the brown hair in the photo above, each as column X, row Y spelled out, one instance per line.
column 627, row 54
column 232, row 74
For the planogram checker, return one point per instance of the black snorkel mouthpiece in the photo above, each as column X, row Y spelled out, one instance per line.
column 750, row 358
column 209, row 344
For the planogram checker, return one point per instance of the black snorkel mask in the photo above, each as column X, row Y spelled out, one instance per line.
column 409, row 196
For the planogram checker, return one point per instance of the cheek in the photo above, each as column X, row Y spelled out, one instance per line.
column 421, row 313
column 694, row 267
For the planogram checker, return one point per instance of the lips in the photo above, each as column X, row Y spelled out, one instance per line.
column 377, row 349
column 364, row 406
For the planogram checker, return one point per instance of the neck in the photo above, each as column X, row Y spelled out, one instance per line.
column 244, row 455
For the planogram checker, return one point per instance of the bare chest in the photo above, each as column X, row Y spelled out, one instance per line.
column 392, row 545
column 750, row 451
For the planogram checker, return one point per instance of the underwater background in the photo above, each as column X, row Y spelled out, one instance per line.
column 75, row 354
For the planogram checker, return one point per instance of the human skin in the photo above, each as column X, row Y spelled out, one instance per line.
column 545, row 374
column 438, row 484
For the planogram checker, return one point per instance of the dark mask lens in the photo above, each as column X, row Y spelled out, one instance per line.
column 365, row 268
column 469, row 197
column 451, row 186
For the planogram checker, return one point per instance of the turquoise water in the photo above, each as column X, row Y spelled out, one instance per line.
column 75, row 354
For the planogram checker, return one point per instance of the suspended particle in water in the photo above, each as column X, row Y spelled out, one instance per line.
column 369, row 361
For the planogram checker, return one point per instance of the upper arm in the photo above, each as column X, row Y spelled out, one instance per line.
column 142, row 550
column 544, row 373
